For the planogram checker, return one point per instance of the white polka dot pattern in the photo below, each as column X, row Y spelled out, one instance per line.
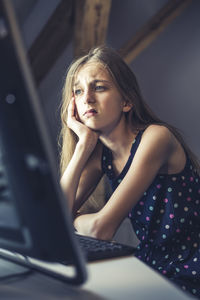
column 167, row 222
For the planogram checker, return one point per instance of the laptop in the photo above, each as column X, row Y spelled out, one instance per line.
column 36, row 228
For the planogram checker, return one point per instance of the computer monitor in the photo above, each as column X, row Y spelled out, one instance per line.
column 34, row 217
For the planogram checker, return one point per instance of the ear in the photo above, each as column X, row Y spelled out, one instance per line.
column 127, row 106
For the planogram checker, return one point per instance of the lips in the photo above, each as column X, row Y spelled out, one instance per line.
column 90, row 112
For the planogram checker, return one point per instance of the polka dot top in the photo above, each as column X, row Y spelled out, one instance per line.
column 166, row 220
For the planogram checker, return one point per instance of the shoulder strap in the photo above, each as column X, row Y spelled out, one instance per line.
column 136, row 142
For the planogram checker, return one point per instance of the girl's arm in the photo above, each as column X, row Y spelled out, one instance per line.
column 155, row 149
column 81, row 177
column 84, row 171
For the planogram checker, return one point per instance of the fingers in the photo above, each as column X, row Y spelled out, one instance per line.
column 71, row 113
column 72, row 110
column 71, row 107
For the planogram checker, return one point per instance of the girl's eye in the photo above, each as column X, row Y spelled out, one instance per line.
column 77, row 92
column 100, row 88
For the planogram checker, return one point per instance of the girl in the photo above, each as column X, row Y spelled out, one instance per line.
column 107, row 128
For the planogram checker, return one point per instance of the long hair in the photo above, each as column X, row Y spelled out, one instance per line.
column 139, row 117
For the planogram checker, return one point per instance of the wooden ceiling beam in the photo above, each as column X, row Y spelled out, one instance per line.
column 91, row 21
column 52, row 40
column 152, row 29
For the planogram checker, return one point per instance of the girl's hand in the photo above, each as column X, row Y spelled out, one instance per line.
column 84, row 224
column 85, row 134
column 93, row 225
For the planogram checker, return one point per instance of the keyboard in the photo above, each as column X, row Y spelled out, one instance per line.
column 94, row 249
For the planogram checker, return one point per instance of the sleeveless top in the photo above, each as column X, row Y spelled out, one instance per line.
column 166, row 220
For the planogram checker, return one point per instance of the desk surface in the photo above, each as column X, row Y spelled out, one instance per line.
column 123, row 278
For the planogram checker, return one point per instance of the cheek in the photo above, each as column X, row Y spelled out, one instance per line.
column 114, row 108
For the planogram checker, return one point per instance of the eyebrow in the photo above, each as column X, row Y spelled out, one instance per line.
column 93, row 81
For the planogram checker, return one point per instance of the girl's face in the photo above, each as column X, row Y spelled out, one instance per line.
column 98, row 102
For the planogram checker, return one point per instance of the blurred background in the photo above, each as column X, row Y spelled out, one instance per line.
column 160, row 39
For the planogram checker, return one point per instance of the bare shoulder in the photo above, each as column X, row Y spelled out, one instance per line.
column 159, row 141
column 158, row 135
column 156, row 147
column 160, row 131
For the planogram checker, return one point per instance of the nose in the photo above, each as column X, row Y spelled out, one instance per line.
column 88, row 97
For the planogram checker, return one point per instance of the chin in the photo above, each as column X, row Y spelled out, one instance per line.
column 94, row 128
column 91, row 126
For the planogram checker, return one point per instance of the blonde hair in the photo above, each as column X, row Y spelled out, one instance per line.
column 140, row 115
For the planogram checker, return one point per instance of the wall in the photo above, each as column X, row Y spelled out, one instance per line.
column 168, row 71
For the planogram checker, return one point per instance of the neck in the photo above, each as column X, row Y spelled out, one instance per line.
column 119, row 139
